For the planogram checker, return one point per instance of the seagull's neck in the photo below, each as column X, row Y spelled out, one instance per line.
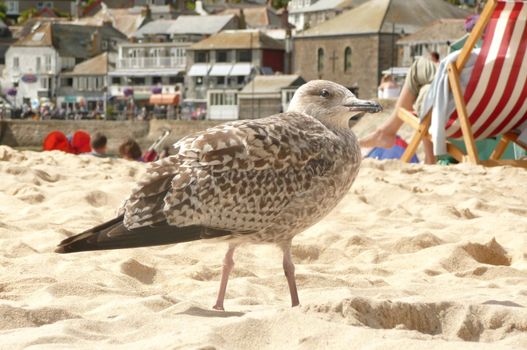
column 336, row 124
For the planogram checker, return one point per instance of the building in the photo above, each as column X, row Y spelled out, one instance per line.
column 144, row 69
column 267, row 95
column 256, row 17
column 154, row 62
column 158, row 9
column 35, row 61
column 122, row 19
column 355, row 47
column 84, row 88
column 304, row 14
column 185, row 28
column 435, row 37
column 221, row 65
column 17, row 7
column 263, row 18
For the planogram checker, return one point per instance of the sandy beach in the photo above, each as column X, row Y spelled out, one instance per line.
column 414, row 257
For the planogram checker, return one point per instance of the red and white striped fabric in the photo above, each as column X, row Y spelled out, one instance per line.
column 496, row 94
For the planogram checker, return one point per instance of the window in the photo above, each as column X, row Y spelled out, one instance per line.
column 320, row 60
column 116, row 80
column 156, row 80
column 157, row 52
column 199, row 81
column 222, row 56
column 47, row 63
column 80, row 83
column 347, row 59
column 288, row 95
column 138, row 81
column 241, row 80
column 100, row 83
column 177, row 52
column 67, row 82
column 231, row 99
column 16, row 63
column 12, row 7
column 245, row 56
column 175, row 79
column 220, row 80
column 91, row 83
column 44, row 83
column 201, row 56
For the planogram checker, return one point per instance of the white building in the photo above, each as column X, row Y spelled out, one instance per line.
column 143, row 67
column 34, row 62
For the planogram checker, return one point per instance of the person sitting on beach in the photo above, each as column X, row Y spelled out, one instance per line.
column 388, row 89
column 99, row 145
column 130, row 150
column 416, row 86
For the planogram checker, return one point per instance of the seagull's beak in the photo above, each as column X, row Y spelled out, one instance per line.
column 356, row 105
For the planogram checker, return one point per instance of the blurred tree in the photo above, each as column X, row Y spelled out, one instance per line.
column 27, row 14
column 278, row 4
column 3, row 11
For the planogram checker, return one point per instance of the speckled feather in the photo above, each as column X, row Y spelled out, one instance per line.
column 264, row 180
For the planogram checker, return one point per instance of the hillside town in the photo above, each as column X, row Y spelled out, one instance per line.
column 217, row 60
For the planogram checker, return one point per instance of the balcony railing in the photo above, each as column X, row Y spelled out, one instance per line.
column 151, row 62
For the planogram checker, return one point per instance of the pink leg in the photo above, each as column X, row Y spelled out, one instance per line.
column 228, row 264
column 289, row 270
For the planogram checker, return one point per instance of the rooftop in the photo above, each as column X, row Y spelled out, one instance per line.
column 268, row 84
column 257, row 17
column 386, row 16
column 122, row 19
column 239, row 39
column 204, row 25
column 442, row 30
column 97, row 65
column 70, row 40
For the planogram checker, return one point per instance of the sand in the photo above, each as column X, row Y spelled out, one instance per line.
column 414, row 257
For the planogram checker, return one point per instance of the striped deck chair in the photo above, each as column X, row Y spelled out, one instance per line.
column 494, row 102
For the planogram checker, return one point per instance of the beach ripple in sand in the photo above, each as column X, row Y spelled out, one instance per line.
column 17, row 317
column 451, row 320
column 414, row 257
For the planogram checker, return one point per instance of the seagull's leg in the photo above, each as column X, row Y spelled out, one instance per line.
column 228, row 264
column 289, row 270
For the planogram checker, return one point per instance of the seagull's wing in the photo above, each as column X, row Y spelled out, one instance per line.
column 238, row 176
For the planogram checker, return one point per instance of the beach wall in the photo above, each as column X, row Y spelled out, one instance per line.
column 30, row 134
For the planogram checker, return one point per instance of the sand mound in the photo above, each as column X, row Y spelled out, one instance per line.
column 450, row 320
column 414, row 257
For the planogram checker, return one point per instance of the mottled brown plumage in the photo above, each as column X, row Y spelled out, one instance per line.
column 249, row 181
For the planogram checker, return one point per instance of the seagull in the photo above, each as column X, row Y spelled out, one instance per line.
column 248, row 181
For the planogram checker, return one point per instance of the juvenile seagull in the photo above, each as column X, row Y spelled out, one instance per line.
column 248, row 181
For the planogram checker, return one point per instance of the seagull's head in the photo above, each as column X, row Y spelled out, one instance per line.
column 331, row 103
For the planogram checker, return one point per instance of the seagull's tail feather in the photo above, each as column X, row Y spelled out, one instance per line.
column 113, row 235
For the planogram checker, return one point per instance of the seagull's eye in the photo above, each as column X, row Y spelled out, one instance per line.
column 324, row 93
